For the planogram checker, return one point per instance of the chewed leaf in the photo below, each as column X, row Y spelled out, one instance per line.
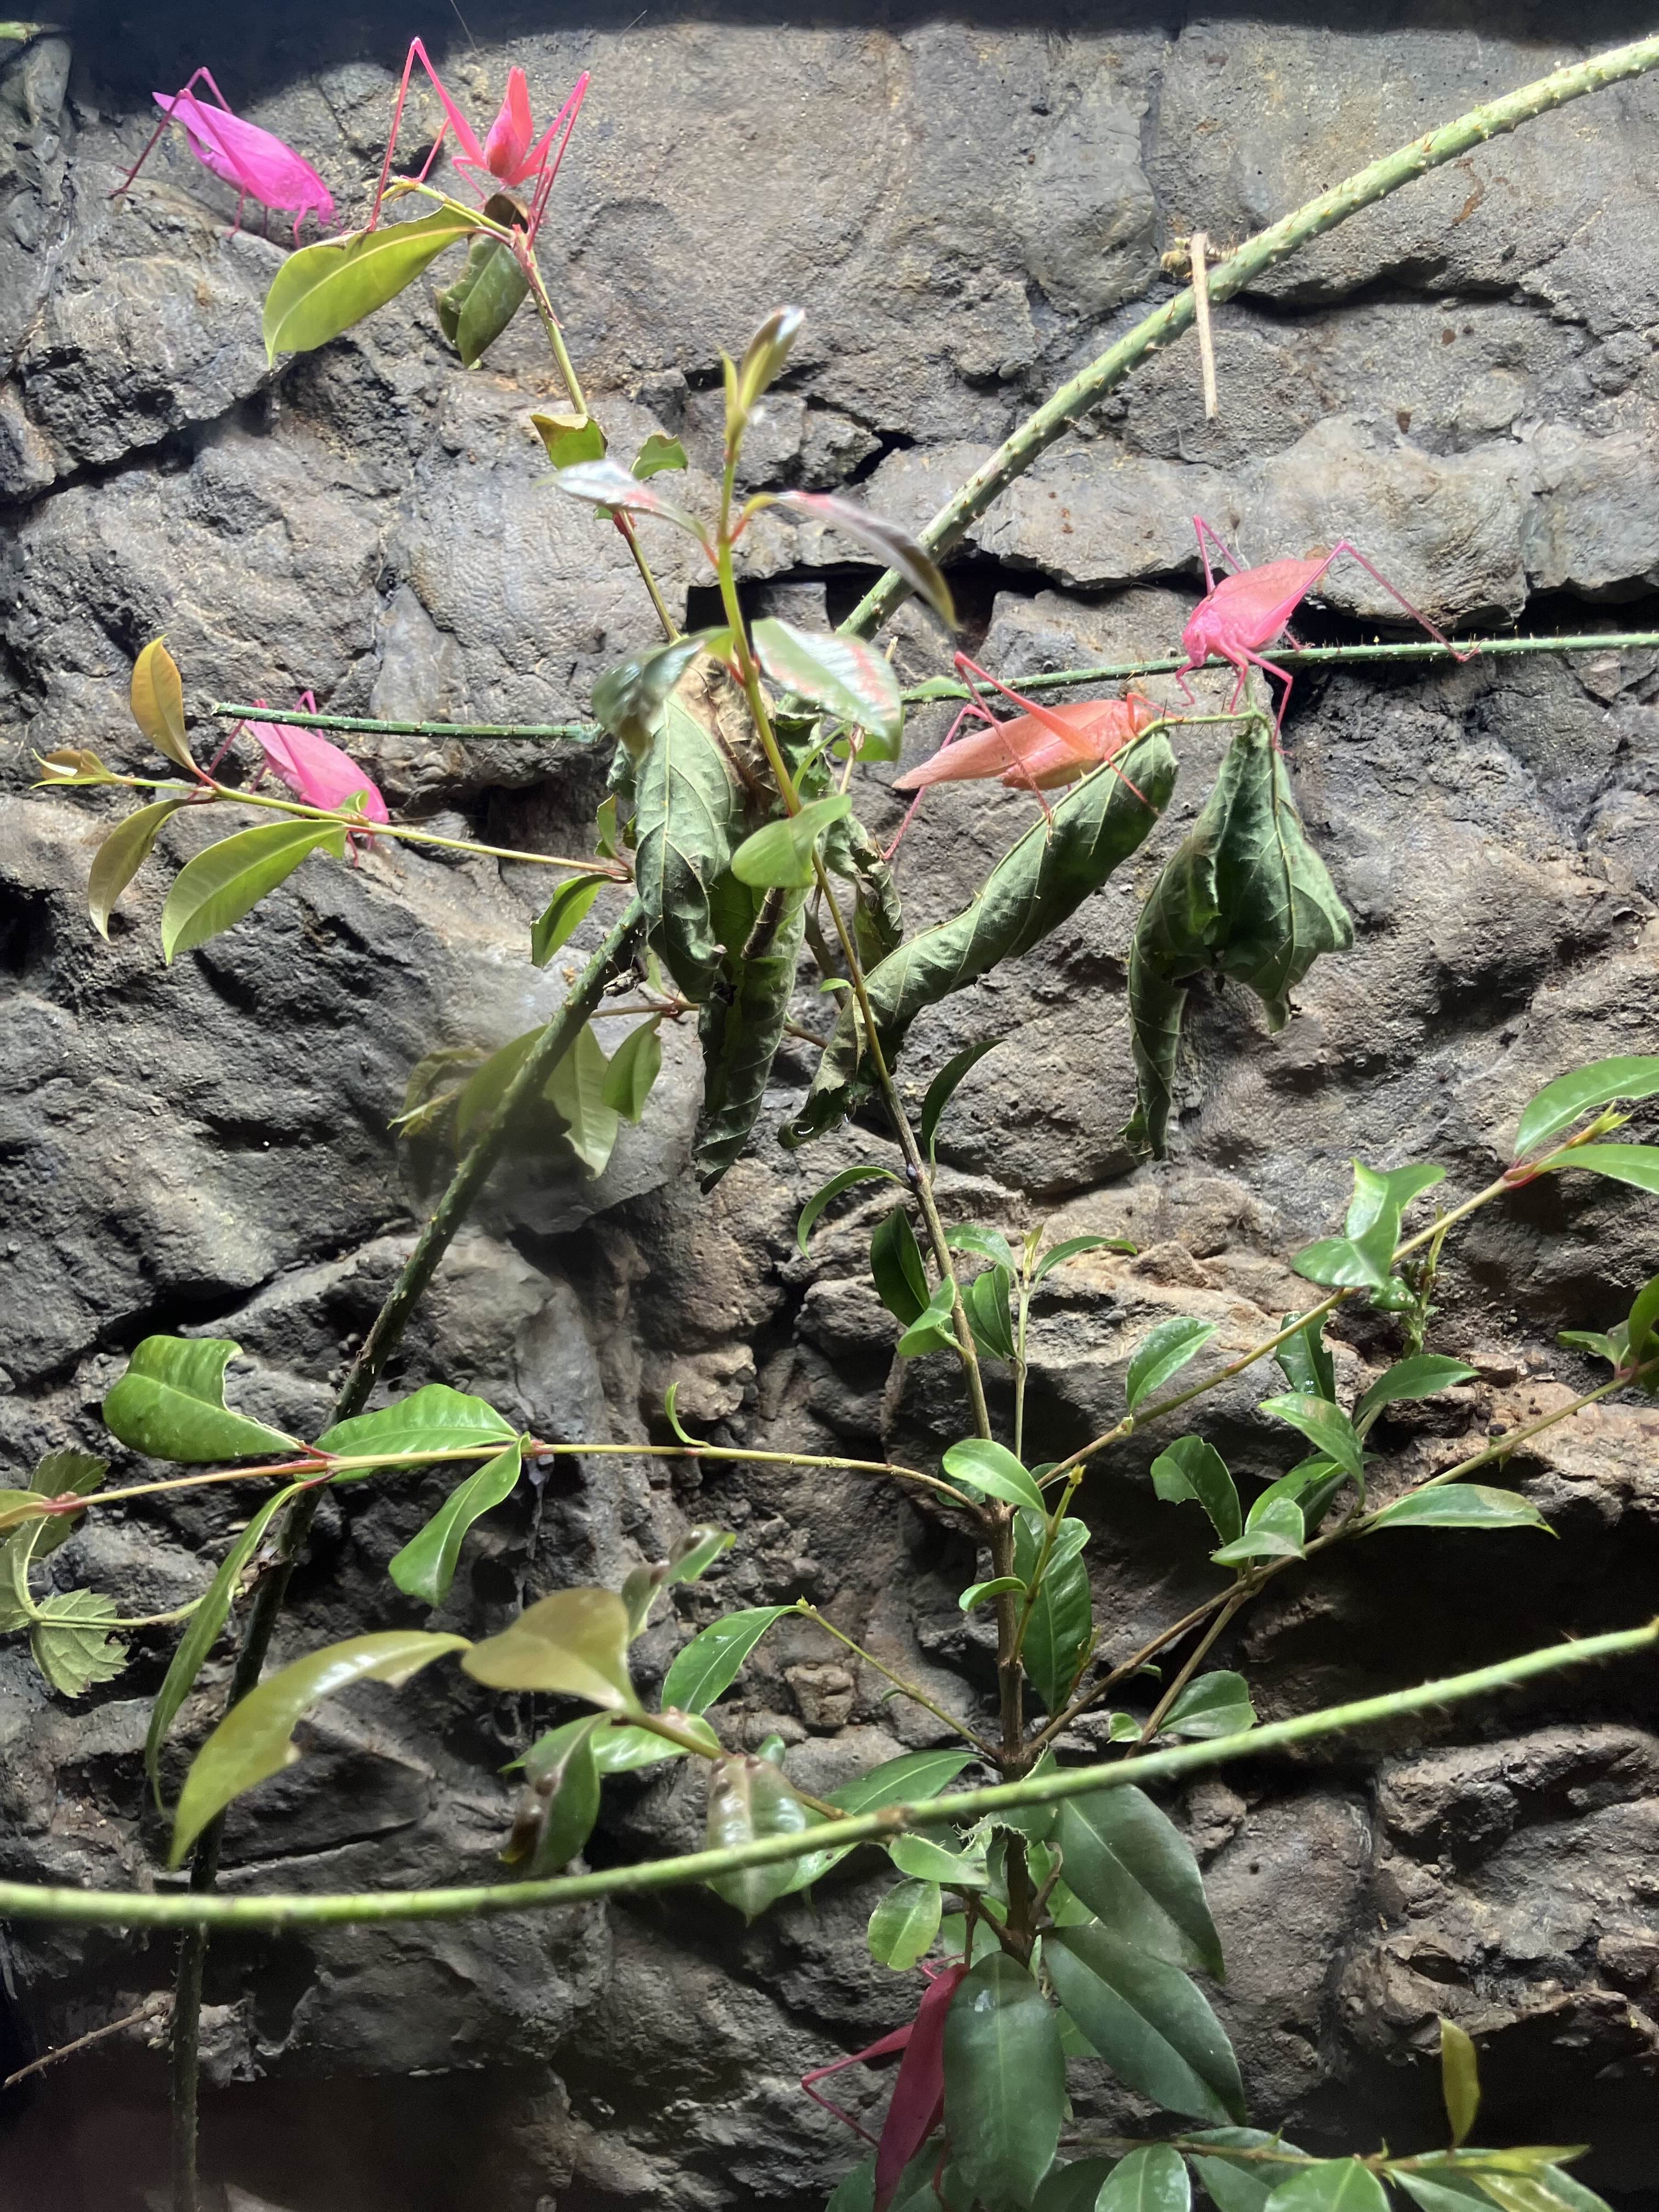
column 171, row 1404
column 570, row 439
column 323, row 290
column 657, row 455
column 215, row 889
column 158, row 703
column 1193, row 1468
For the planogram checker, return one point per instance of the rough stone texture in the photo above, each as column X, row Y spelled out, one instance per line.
column 1462, row 380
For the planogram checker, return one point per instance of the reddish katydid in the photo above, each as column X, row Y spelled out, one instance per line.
column 256, row 161
column 918, row 2101
column 510, row 152
column 1242, row 613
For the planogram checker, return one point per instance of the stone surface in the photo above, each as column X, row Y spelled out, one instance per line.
column 1462, row 380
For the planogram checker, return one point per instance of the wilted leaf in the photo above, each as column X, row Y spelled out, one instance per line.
column 748, row 1799
column 171, row 1404
column 707, row 1666
column 158, row 704
column 71, row 765
column 323, row 289
column 212, row 893
column 852, row 854
column 425, row 1567
column 120, row 856
column 573, row 1642
column 629, row 700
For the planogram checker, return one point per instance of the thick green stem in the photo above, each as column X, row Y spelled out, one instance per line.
column 477, row 733
column 1253, row 259
column 21, row 1900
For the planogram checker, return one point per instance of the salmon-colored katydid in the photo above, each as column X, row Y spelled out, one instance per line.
column 256, row 161
column 917, row 2107
column 1236, row 617
column 510, row 154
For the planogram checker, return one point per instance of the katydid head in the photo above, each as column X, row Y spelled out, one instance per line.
column 507, row 147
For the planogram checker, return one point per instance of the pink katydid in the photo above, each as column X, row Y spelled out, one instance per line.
column 510, row 152
column 1242, row 613
column 256, row 161
column 319, row 773
column 917, row 2107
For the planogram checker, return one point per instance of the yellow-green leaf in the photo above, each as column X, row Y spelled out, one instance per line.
column 323, row 290
column 158, row 703
column 573, row 1641
column 221, row 885
column 120, row 856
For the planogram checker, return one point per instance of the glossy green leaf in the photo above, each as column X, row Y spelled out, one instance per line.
column 1133, row 1868
column 474, row 311
column 1244, row 894
column 1146, row 2020
column 1274, row 1530
column 896, row 1268
column 658, row 454
column 1419, row 1377
column 213, row 892
column 1346, row 1263
column 573, row 1642
column 1641, row 1329
column 1545, row 2190
column 323, row 289
column 576, row 1092
column 570, row 439
column 1245, row 2187
column 707, row 1666
column 434, row 1419
column 749, row 1798
column 933, row 1329
column 171, row 1404
column 696, row 1552
column 1458, row 1506
column 1072, row 1247
column 990, row 1243
column 425, row 1567
column 1460, row 2078
column 1005, row 2082
column 979, row 1594
column 562, row 916
column 202, row 1633
column 779, row 855
column 1193, row 1468
column 904, row 1924
column 986, row 1302
column 842, row 675
column 944, row 1085
column 907, row 1779
column 1326, row 1428
column 1076, row 2187
column 1637, row 1165
column 254, row 1739
column 1046, row 877
column 689, row 814
column 1336, row 2184
column 1305, row 1361
column 1554, row 1108
column 634, row 1066
column 832, row 1189
column 924, row 1860
column 157, row 696
column 1163, row 1353
column 1212, row 1706
column 1061, row 1632
column 629, row 700
column 120, row 856
column 992, row 1469
column 742, row 1023
column 69, row 1641
column 1380, row 1193
column 1153, row 2179
column 608, row 485
column 619, row 1746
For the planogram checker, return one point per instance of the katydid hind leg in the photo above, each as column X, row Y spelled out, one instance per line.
column 1345, row 545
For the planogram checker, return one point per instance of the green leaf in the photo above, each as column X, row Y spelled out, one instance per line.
column 895, row 547
column 1326, row 1428
column 1458, row 1506
column 689, row 813
column 1383, row 1193
column 986, row 1302
column 202, row 1633
column 990, row 1243
column 436, row 1420
column 1342, row 1263
column 763, row 361
column 120, row 856
column 842, row 675
column 993, row 1468
column 1165, row 1354
column 157, row 695
column 254, row 1739
column 979, row 1594
column 570, row 439
column 1193, row 1468
column 896, row 1268
column 69, row 1642
column 1274, row 1530
column 912, row 1775
column 1560, row 1103
column 1046, row 876
column 1135, row 1871
column 924, row 1860
column 425, row 1567
column 634, row 1066
column 855, row 2191
column 1305, row 1361
column 657, row 455
column 1243, row 895
column 933, row 1330
column 1060, row 1630
column 558, row 1809
column 1005, row 2082
column 1150, row 2180
column 1420, row 1377
column 1544, row 2190
column 1146, row 2020
column 707, row 1666
column 1073, row 2188
column 1243, row 2188
column 1610, row 1345
column 321, row 290
column 832, row 1189
column 1637, row 1165
column 942, row 1087
column 486, row 1087
column 1336, row 2184
column 1442, row 2192
column 696, row 1552
column 576, row 1092
column 474, row 311
column 904, row 1924
column 1212, row 1706
column 62, row 1475
column 779, row 854
column 608, row 485
column 562, row 916
column 212, row 893
column 573, row 1641
column 1460, row 2078
column 1641, row 1329
column 742, row 1023
column 1071, row 1247
column 170, row 1403
column 749, row 1798
column 628, row 700
column 619, row 1748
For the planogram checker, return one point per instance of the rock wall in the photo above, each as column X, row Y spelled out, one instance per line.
column 1464, row 381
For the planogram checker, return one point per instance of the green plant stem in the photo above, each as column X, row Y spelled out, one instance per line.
column 1231, row 1601
column 624, row 523
column 363, row 726
column 810, row 1612
column 150, row 1909
column 362, row 828
column 390, row 1322
column 1253, row 259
